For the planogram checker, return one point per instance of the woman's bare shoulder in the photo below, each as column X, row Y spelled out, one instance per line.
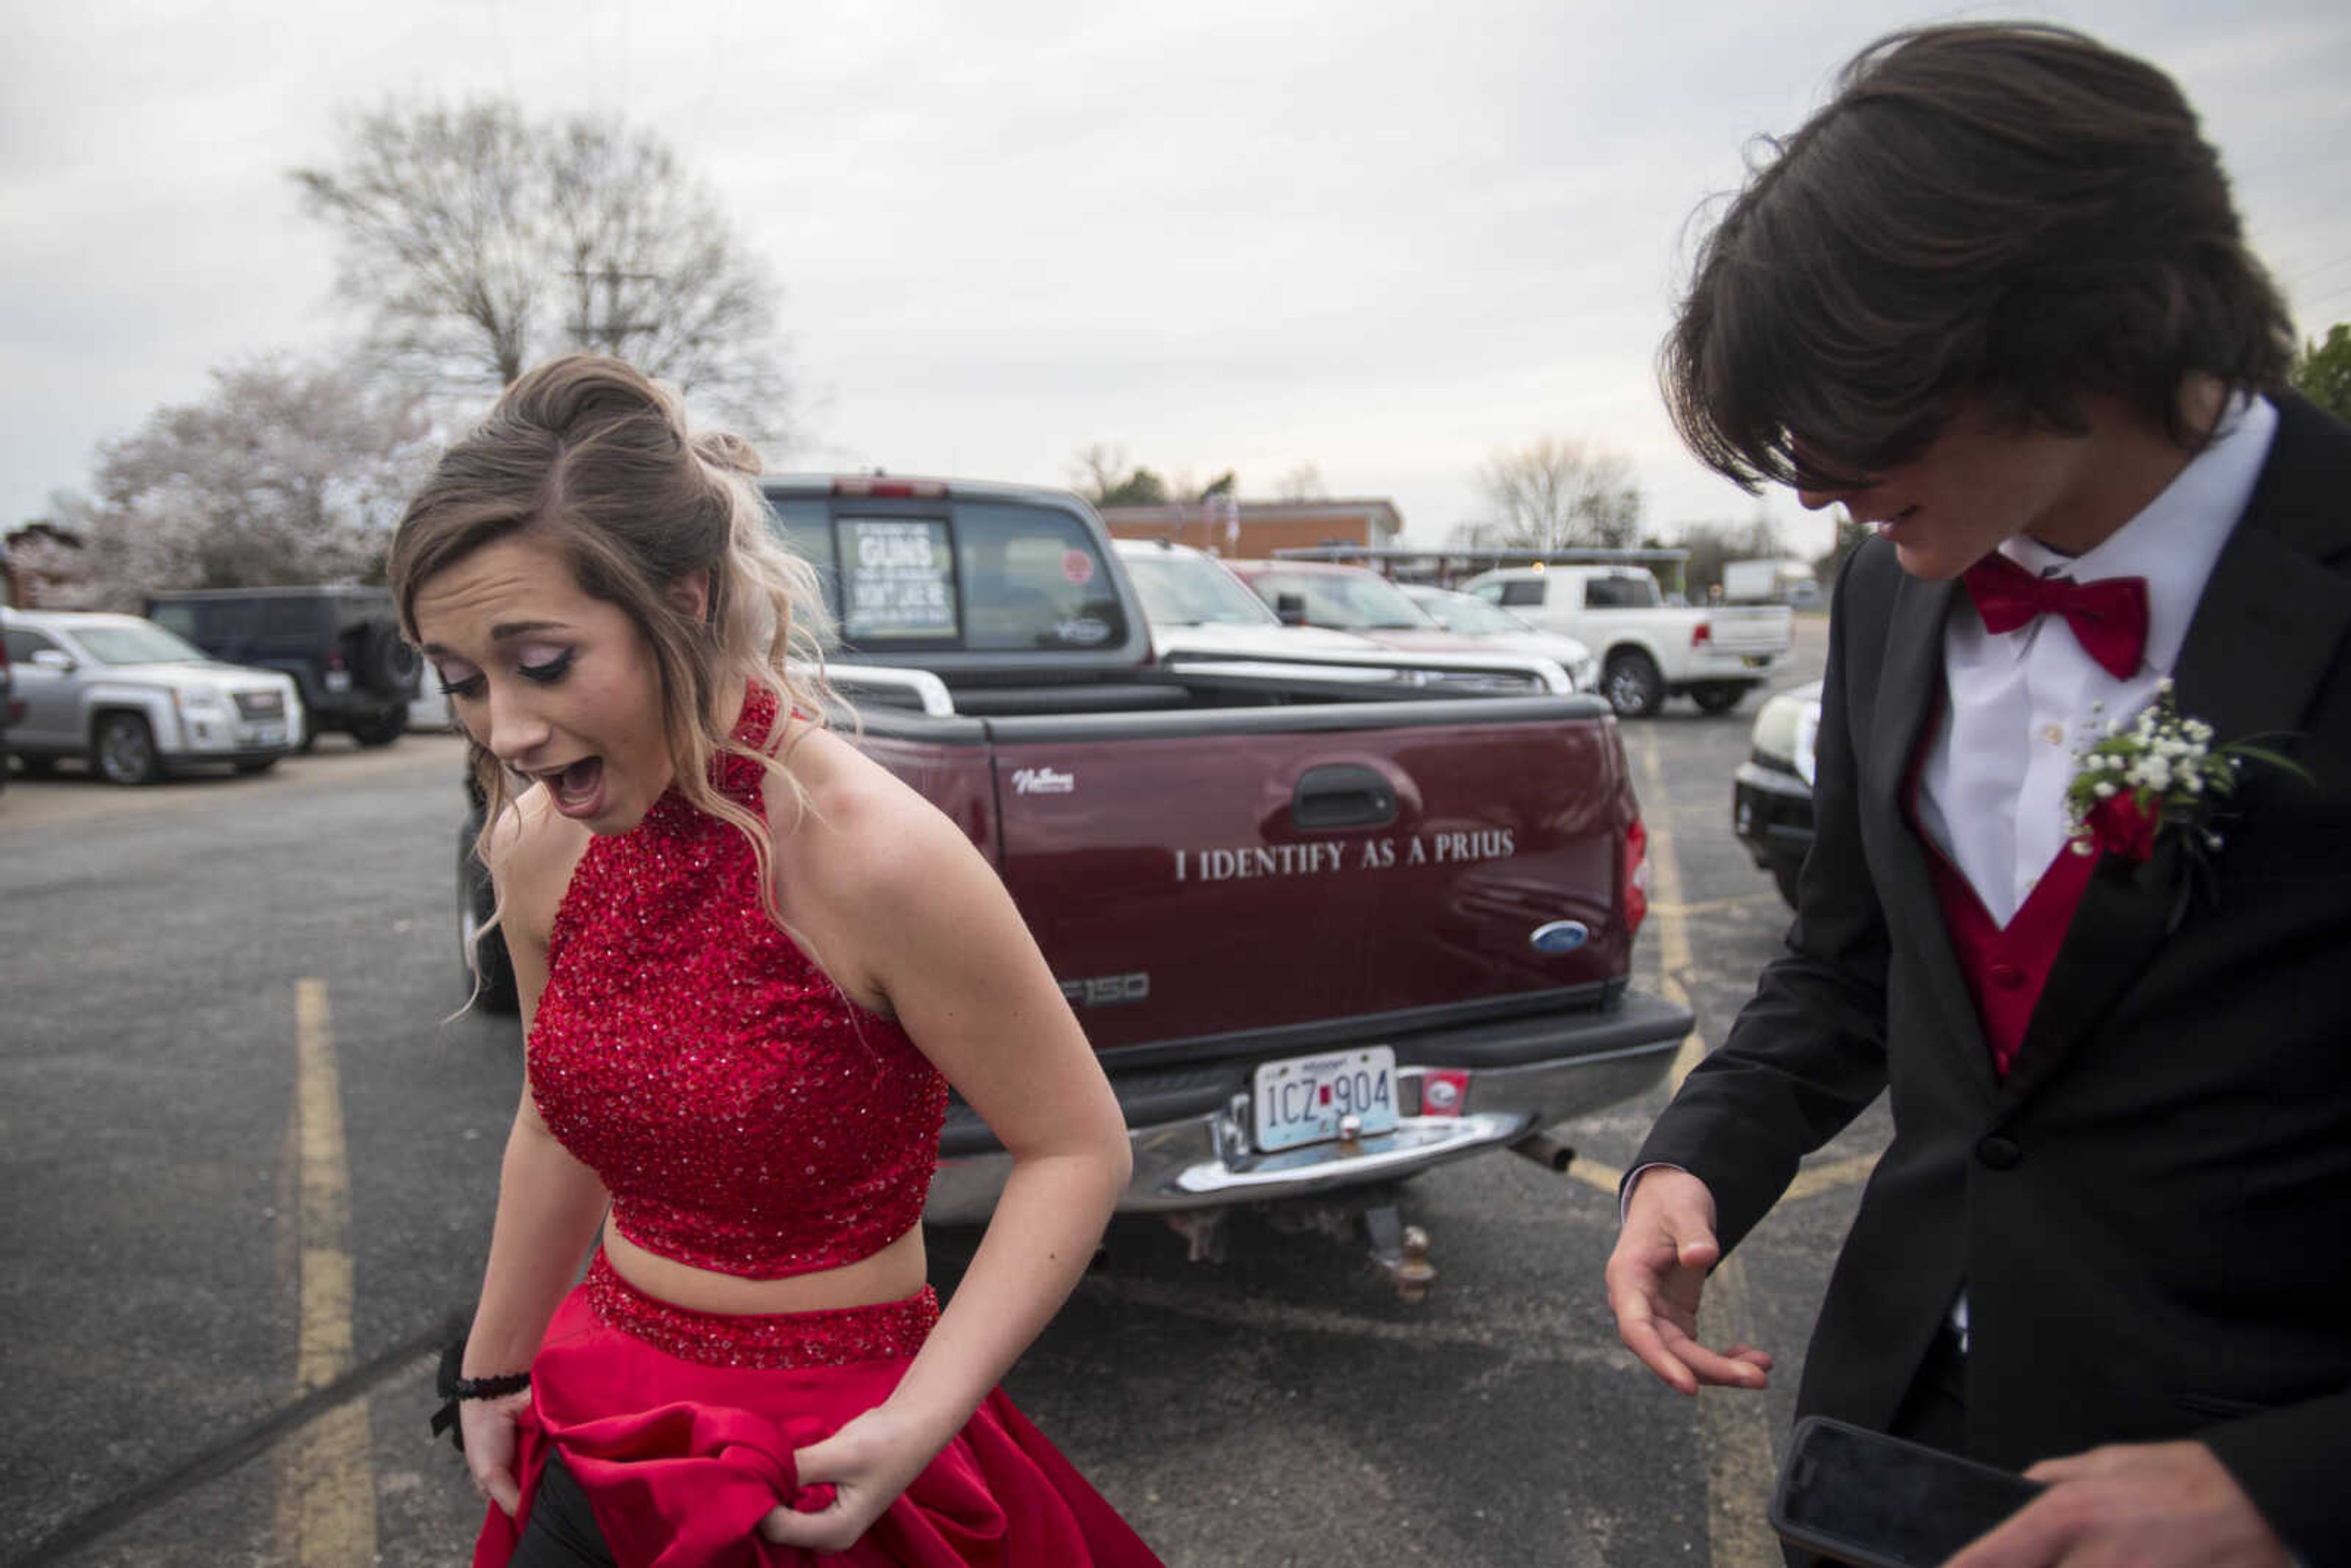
column 856, row 830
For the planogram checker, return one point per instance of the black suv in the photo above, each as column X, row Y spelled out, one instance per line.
column 342, row 645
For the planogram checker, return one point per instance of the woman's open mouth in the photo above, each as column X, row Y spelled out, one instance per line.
column 578, row 790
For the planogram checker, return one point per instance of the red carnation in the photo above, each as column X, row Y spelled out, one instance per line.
column 2119, row 825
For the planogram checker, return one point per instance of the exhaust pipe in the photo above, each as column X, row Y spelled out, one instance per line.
column 1545, row 1150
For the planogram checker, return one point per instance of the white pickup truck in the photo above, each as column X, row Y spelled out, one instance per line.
column 1648, row 650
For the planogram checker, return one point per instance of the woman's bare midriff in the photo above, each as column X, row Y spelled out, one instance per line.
column 899, row 1270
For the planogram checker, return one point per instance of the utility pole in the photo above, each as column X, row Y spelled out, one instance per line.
column 611, row 335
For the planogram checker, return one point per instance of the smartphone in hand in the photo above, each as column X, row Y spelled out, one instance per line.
column 1876, row 1501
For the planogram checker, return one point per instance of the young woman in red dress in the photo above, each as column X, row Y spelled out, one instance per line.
column 751, row 962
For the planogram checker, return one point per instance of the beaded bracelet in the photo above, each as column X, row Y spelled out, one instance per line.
column 454, row 1388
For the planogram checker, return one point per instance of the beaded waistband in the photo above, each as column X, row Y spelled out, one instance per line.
column 887, row 1330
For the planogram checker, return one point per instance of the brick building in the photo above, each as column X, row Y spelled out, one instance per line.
column 1254, row 530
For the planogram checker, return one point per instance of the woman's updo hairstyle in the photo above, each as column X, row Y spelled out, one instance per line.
column 588, row 453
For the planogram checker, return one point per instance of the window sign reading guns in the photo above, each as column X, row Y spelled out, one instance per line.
column 897, row 578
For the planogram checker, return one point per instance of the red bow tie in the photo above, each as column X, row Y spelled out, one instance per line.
column 2108, row 617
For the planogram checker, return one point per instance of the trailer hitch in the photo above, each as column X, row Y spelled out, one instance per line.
column 1403, row 1250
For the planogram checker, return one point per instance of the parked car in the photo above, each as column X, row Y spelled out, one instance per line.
column 1195, row 605
column 1473, row 617
column 1771, row 793
column 340, row 645
column 1252, row 881
column 1357, row 600
column 137, row 701
column 1200, row 614
column 1649, row 650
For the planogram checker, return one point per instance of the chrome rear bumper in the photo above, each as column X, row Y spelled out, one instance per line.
column 1206, row 1161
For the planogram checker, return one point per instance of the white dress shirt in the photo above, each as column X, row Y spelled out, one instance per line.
column 2024, row 704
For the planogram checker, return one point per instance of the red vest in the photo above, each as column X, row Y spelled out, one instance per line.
column 2005, row 967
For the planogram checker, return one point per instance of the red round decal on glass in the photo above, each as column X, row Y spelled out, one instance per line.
column 1078, row 567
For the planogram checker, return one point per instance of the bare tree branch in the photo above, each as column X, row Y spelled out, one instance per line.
column 481, row 243
column 1558, row 493
column 1097, row 469
column 1301, row 483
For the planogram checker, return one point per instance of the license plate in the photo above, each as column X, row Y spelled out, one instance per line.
column 1301, row 1098
column 269, row 735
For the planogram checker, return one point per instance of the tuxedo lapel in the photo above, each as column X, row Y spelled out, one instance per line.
column 2270, row 627
column 2269, row 630
column 1909, row 690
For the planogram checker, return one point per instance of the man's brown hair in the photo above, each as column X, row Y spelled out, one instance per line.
column 2013, row 214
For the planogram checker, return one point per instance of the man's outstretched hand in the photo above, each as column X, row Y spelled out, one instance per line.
column 1654, row 1279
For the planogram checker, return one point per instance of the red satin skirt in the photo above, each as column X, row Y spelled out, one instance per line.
column 681, row 1427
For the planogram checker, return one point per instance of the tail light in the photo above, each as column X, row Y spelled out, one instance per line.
column 1701, row 634
column 1636, row 876
column 335, row 660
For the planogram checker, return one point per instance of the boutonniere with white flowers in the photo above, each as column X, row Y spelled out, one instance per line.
column 2161, row 775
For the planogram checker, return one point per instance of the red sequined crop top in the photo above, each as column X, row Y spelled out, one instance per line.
column 746, row 1116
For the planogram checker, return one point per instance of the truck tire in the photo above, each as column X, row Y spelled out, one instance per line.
column 1717, row 696
column 492, row 987
column 122, row 750
column 386, row 663
column 381, row 727
column 1632, row 686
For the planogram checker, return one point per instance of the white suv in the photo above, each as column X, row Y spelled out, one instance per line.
column 136, row 700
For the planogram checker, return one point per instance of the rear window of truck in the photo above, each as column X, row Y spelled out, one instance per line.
column 1521, row 591
column 1620, row 592
column 983, row 576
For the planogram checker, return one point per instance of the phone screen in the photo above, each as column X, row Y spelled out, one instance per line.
column 1899, row 1503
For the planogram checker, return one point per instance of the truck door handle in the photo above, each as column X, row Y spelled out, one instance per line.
column 1342, row 795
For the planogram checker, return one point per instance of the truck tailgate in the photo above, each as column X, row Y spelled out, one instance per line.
column 1194, row 875
column 1752, row 628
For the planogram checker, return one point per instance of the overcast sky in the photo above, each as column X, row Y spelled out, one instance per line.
column 1384, row 236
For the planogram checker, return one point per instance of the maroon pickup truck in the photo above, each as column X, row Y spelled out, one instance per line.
column 1324, row 931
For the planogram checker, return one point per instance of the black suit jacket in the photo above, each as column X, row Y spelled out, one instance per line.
column 2151, row 1216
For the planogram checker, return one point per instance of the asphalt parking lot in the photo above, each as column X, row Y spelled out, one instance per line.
column 250, row 1148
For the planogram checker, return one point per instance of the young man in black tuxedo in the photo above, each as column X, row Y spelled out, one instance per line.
column 1995, row 301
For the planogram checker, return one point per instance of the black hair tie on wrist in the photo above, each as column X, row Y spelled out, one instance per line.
column 454, row 1388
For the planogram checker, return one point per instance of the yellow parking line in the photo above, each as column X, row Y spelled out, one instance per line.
column 1717, row 905
column 1596, row 1173
column 1733, row 1431
column 1817, row 1179
column 326, row 1501
column 1735, row 1435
